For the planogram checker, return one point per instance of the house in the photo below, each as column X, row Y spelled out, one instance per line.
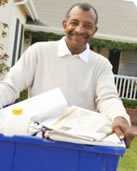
column 117, row 25
column 13, row 16
column 117, row 22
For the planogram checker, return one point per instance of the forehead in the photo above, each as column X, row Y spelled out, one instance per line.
column 81, row 15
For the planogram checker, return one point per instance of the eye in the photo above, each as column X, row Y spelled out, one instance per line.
column 74, row 23
column 89, row 26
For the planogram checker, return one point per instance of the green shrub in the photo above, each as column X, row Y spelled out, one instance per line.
column 23, row 95
column 130, row 103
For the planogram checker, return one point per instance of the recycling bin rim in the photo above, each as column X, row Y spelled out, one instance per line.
column 114, row 150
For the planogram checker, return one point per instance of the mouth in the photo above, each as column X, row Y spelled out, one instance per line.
column 77, row 41
column 79, row 36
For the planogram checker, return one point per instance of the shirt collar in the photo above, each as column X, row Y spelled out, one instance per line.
column 64, row 51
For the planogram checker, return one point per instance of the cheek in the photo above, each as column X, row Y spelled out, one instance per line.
column 91, row 32
column 68, row 29
column 65, row 30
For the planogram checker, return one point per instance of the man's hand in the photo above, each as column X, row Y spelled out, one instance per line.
column 130, row 135
column 120, row 126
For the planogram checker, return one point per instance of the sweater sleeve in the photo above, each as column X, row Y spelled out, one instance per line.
column 19, row 77
column 107, row 99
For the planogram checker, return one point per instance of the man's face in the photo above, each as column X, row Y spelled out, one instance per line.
column 79, row 27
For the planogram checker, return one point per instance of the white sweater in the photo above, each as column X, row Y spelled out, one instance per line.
column 86, row 83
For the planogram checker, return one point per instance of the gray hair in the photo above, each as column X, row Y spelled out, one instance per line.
column 84, row 7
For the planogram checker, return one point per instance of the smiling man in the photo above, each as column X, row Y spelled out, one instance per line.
column 85, row 77
column 79, row 26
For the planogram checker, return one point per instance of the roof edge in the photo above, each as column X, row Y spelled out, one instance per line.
column 111, row 37
column 29, row 8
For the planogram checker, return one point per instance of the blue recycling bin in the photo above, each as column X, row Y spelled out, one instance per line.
column 20, row 153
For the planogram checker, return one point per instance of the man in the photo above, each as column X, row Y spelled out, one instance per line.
column 84, row 76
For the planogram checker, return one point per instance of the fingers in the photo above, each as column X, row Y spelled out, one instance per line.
column 127, row 136
column 119, row 132
column 120, row 127
column 130, row 135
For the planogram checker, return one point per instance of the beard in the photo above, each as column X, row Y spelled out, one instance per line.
column 77, row 41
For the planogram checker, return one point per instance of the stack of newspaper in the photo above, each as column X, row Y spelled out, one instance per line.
column 48, row 115
column 77, row 125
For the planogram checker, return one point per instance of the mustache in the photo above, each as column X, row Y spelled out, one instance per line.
column 78, row 34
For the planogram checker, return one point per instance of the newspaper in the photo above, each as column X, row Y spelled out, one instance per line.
column 78, row 125
column 49, row 114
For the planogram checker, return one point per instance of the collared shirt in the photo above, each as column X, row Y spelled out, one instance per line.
column 63, row 50
column 88, row 84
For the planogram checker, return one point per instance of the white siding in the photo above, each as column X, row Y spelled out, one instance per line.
column 116, row 17
column 128, row 63
column 9, row 14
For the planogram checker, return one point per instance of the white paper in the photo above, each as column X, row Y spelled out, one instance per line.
column 48, row 105
column 83, row 126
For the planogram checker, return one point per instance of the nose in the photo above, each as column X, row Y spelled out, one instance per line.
column 80, row 28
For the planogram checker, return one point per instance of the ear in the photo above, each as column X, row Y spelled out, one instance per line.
column 95, row 31
column 64, row 22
